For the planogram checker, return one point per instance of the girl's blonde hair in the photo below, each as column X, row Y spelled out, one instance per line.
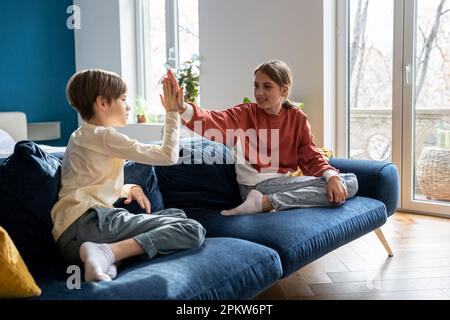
column 279, row 72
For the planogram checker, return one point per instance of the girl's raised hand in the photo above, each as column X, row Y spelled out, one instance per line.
column 172, row 100
column 178, row 89
column 169, row 99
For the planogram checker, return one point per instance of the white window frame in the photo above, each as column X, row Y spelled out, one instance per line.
column 343, row 129
column 342, row 116
column 402, row 114
column 172, row 41
column 409, row 203
column 140, row 51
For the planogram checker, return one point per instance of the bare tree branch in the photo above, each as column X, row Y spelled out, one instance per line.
column 188, row 31
column 441, row 51
column 428, row 47
column 422, row 33
column 359, row 47
column 359, row 31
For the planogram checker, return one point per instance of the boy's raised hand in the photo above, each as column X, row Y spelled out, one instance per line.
column 136, row 193
column 179, row 89
column 173, row 98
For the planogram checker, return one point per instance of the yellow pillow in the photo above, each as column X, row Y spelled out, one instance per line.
column 326, row 153
column 15, row 279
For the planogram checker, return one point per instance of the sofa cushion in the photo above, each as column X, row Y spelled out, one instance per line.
column 299, row 236
column 15, row 279
column 197, row 181
column 32, row 177
column 29, row 185
column 200, row 273
column 33, row 239
column 143, row 175
column 6, row 141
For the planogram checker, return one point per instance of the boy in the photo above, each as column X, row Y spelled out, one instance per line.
column 87, row 227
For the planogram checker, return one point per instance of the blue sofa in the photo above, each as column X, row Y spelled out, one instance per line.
column 241, row 257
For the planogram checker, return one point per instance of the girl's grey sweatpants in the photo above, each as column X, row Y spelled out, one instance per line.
column 161, row 232
column 286, row 193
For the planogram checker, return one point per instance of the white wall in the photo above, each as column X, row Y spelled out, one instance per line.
column 97, row 43
column 107, row 41
column 237, row 35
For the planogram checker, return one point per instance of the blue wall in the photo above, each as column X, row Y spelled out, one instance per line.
column 37, row 58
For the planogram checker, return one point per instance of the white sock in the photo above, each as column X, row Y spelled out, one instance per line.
column 252, row 204
column 98, row 261
column 112, row 271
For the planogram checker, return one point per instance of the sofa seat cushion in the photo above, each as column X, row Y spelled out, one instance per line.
column 299, row 236
column 222, row 268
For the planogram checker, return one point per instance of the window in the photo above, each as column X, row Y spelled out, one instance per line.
column 394, row 62
column 168, row 35
column 370, row 70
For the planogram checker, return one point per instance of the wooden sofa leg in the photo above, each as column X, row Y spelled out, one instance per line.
column 381, row 237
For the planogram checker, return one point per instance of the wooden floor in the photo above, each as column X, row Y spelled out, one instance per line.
column 420, row 268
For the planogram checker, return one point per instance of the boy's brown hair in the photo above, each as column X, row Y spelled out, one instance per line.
column 85, row 86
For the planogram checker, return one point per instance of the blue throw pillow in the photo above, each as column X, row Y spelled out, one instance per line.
column 144, row 176
column 32, row 177
column 204, row 178
column 29, row 185
column 33, row 240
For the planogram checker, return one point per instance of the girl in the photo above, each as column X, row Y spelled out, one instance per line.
column 273, row 124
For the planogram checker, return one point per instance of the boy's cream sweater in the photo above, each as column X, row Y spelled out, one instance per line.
column 92, row 171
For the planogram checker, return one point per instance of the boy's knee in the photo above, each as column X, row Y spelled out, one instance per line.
column 197, row 231
column 173, row 212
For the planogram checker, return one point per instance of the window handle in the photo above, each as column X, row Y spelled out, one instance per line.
column 408, row 74
column 172, row 54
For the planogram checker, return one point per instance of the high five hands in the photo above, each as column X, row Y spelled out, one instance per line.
column 173, row 95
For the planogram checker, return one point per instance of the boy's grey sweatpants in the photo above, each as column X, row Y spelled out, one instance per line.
column 286, row 193
column 162, row 232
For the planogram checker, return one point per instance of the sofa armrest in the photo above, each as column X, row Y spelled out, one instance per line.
column 377, row 180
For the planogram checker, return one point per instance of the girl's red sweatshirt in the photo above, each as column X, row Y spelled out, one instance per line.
column 269, row 145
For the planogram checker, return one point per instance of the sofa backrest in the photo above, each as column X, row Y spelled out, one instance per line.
column 204, row 177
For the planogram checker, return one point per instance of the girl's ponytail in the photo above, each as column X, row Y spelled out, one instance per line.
column 288, row 104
